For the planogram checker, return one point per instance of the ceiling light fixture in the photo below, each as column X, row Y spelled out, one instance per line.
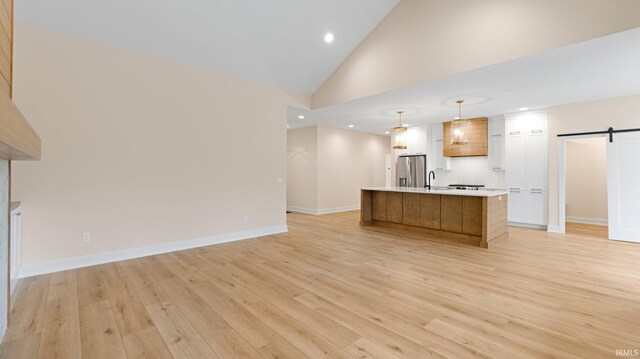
column 386, row 132
column 459, row 135
column 352, row 126
column 301, row 117
column 523, row 108
column 400, row 134
column 328, row 38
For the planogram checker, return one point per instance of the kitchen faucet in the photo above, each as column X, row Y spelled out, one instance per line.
column 429, row 179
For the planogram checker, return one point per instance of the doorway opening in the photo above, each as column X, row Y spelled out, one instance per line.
column 586, row 202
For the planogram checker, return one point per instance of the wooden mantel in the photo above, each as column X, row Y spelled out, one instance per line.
column 18, row 141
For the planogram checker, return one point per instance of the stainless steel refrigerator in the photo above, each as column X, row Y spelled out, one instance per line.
column 411, row 171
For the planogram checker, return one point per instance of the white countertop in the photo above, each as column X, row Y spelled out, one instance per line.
column 442, row 190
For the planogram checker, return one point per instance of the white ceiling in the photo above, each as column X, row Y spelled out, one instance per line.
column 274, row 42
column 600, row 68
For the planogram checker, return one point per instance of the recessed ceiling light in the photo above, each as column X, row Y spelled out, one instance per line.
column 386, row 132
column 301, row 117
column 328, row 38
column 523, row 108
column 352, row 126
column 406, row 125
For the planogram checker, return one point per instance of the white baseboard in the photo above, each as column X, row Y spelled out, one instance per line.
column 30, row 270
column 339, row 209
column 600, row 221
column 554, row 229
column 301, row 210
column 323, row 211
column 527, row 225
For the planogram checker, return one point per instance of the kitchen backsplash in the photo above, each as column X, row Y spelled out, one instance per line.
column 470, row 170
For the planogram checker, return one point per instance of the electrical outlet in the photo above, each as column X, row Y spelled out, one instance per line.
column 86, row 237
column 279, row 180
column 246, row 218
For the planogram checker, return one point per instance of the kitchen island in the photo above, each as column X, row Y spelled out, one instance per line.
column 477, row 217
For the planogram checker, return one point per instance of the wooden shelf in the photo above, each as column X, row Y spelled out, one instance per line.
column 18, row 141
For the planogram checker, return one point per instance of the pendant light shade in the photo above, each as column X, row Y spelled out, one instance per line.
column 400, row 135
column 459, row 133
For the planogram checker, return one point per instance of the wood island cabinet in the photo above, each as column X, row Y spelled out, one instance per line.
column 479, row 219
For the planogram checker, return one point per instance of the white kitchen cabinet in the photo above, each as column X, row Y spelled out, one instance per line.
column 536, row 207
column 496, row 144
column 516, row 174
column 417, row 141
column 526, row 165
column 536, row 161
column 440, row 163
column 516, row 205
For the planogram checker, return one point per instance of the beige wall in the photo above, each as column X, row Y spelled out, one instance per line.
column 599, row 115
column 348, row 161
column 586, row 180
column 141, row 151
column 423, row 40
column 345, row 162
column 302, row 168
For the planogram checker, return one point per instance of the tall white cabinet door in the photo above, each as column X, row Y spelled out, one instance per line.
column 438, row 159
column 536, row 161
column 623, row 177
column 439, row 162
column 536, row 207
column 496, row 153
column 516, row 206
column 515, row 162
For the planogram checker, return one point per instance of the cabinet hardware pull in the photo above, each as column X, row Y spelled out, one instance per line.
column 497, row 168
column 536, row 131
column 496, row 135
column 514, row 133
column 439, row 140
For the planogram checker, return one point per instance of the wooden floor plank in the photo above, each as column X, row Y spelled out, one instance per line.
column 61, row 332
column 23, row 347
column 28, row 313
column 99, row 332
column 181, row 338
column 146, row 344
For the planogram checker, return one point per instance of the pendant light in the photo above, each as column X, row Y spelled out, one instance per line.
column 459, row 134
column 400, row 135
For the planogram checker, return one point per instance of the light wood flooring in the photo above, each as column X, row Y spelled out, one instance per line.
column 330, row 289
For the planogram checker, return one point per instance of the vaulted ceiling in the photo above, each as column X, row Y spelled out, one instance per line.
column 605, row 67
column 275, row 42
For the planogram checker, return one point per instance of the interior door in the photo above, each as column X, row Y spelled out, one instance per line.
column 623, row 177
